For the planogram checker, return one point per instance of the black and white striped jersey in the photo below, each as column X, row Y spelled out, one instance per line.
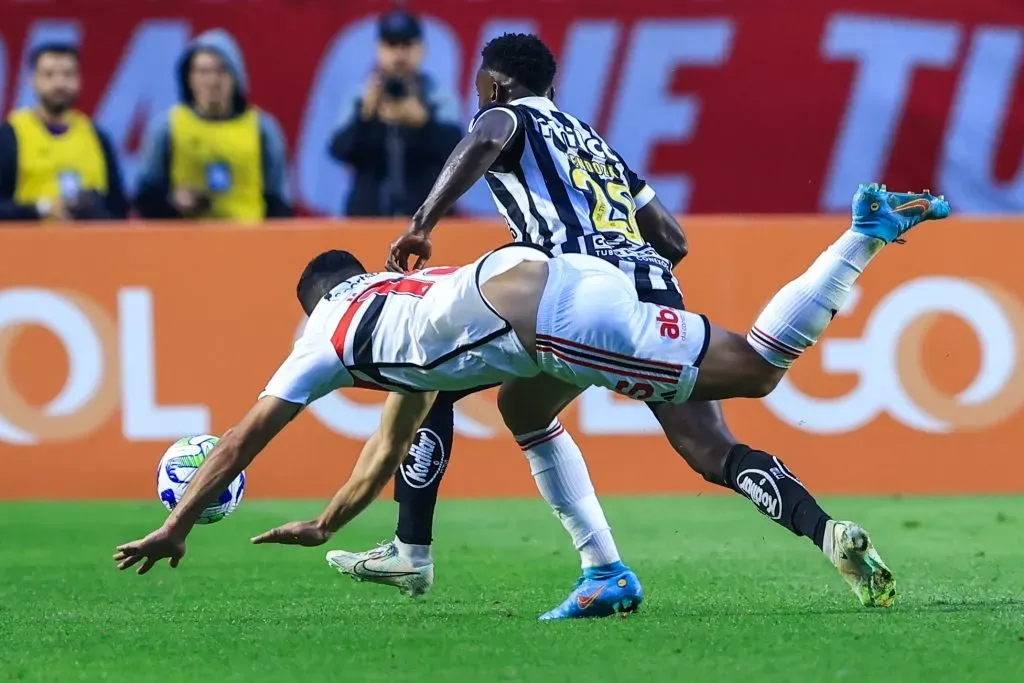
column 560, row 186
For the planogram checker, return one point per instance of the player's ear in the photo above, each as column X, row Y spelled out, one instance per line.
column 496, row 91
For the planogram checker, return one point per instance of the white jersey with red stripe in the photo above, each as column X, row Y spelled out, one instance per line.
column 431, row 330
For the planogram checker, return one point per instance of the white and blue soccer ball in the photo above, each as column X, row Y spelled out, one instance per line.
column 179, row 465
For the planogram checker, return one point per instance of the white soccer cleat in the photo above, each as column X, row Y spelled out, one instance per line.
column 850, row 549
column 384, row 565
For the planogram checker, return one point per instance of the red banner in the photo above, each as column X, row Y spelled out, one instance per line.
column 728, row 106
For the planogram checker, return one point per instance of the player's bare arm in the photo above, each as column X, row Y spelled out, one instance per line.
column 379, row 460
column 232, row 454
column 662, row 231
column 465, row 166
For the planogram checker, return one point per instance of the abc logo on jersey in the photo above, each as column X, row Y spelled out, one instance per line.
column 896, row 377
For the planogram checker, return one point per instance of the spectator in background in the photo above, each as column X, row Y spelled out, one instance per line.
column 398, row 133
column 55, row 164
column 214, row 155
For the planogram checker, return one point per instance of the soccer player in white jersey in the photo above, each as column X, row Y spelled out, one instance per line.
column 560, row 186
column 518, row 313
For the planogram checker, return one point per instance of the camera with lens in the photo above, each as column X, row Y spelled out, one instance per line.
column 396, row 88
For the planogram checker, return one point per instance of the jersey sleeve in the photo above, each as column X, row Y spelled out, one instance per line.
column 513, row 149
column 638, row 187
column 312, row 370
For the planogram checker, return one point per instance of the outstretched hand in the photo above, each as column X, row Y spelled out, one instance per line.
column 413, row 243
column 295, row 533
column 149, row 550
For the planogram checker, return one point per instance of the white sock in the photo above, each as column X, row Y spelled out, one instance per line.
column 561, row 475
column 799, row 313
column 417, row 555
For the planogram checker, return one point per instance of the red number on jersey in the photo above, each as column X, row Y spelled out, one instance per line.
column 406, row 285
column 440, row 270
column 641, row 391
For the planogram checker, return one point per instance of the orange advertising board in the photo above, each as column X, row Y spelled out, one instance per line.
column 114, row 341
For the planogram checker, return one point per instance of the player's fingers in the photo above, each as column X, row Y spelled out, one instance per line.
column 128, row 547
column 425, row 254
column 390, row 262
column 128, row 562
column 147, row 565
column 174, row 562
column 268, row 537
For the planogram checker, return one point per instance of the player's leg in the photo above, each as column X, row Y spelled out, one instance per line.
column 419, row 477
column 799, row 313
column 591, row 329
column 698, row 432
column 734, row 366
column 406, row 561
column 530, row 408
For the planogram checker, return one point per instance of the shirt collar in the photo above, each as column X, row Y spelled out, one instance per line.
column 537, row 102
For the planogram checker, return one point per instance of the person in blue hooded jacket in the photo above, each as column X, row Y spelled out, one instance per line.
column 214, row 155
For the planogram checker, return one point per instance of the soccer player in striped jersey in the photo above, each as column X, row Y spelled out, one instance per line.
column 561, row 187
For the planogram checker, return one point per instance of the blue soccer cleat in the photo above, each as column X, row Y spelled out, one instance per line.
column 889, row 215
column 601, row 592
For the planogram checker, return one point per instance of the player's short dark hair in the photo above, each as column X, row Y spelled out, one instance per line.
column 38, row 51
column 524, row 58
column 325, row 272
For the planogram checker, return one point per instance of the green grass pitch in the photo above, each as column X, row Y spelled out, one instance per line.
column 730, row 597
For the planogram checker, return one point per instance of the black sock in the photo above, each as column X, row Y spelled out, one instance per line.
column 775, row 491
column 419, row 477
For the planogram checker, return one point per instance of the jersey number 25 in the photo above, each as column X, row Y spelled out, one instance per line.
column 608, row 195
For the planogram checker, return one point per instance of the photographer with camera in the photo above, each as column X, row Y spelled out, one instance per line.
column 397, row 134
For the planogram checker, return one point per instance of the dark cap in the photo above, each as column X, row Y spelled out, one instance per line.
column 399, row 26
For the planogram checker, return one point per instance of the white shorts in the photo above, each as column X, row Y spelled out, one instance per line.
column 593, row 331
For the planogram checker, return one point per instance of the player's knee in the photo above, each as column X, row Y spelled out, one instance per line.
column 521, row 416
column 508, row 409
column 764, row 381
column 704, row 459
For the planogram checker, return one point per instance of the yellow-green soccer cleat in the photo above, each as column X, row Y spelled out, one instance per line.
column 850, row 549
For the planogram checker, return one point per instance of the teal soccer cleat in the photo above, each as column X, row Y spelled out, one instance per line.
column 889, row 215
column 601, row 592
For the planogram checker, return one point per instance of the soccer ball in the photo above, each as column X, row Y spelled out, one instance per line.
column 177, row 467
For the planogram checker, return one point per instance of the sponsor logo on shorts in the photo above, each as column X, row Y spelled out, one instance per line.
column 670, row 324
column 762, row 491
column 426, row 460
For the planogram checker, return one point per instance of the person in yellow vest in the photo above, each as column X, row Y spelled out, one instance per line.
column 214, row 155
column 55, row 164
